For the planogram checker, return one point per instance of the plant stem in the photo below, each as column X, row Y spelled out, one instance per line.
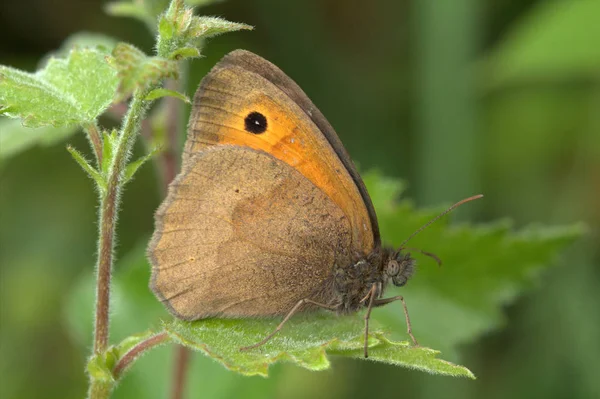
column 100, row 389
column 109, row 205
column 105, row 259
column 182, row 362
column 95, row 138
column 136, row 351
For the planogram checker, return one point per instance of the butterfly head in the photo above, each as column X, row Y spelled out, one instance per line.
column 399, row 268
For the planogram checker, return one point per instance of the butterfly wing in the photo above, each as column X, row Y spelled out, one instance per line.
column 244, row 234
column 297, row 133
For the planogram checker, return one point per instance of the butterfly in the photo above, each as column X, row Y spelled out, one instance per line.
column 269, row 215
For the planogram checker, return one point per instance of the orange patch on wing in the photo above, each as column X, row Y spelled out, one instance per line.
column 290, row 139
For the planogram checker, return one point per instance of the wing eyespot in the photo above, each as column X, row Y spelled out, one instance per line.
column 255, row 123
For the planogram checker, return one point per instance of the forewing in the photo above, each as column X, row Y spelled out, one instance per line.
column 297, row 134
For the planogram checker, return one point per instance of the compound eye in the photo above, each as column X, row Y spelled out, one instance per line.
column 393, row 268
column 399, row 281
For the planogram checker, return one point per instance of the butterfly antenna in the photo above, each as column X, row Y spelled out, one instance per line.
column 459, row 203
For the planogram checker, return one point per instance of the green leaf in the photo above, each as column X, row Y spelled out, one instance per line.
column 159, row 93
column 85, row 165
column 147, row 11
column 185, row 52
column 108, row 149
column 136, row 10
column 134, row 166
column 137, row 70
column 126, row 356
column 484, row 268
column 98, row 41
column 178, row 28
column 405, row 355
column 15, row 138
column 305, row 340
column 553, row 42
column 71, row 91
column 205, row 27
column 99, row 366
column 128, row 343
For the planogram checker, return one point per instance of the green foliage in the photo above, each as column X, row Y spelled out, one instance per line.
column 128, row 343
column 98, row 41
column 160, row 92
column 109, row 147
column 558, row 40
column 67, row 92
column 100, row 367
column 305, row 340
column 179, row 29
column 484, row 267
column 109, row 144
column 141, row 10
column 403, row 354
column 207, row 27
column 93, row 173
column 133, row 167
column 14, row 137
column 75, row 91
column 138, row 71
column 147, row 11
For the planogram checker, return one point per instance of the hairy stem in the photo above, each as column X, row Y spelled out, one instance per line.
column 138, row 350
column 95, row 138
column 105, row 260
column 182, row 362
column 100, row 389
column 109, row 205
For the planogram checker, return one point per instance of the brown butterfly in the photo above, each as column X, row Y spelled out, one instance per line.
column 268, row 216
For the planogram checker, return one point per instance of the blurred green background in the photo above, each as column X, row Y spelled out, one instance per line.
column 455, row 97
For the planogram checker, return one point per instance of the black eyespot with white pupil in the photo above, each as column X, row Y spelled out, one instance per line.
column 255, row 123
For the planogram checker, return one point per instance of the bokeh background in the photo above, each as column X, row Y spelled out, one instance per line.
column 455, row 97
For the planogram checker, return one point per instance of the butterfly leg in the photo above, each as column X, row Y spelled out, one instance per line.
column 371, row 296
column 385, row 301
column 286, row 318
